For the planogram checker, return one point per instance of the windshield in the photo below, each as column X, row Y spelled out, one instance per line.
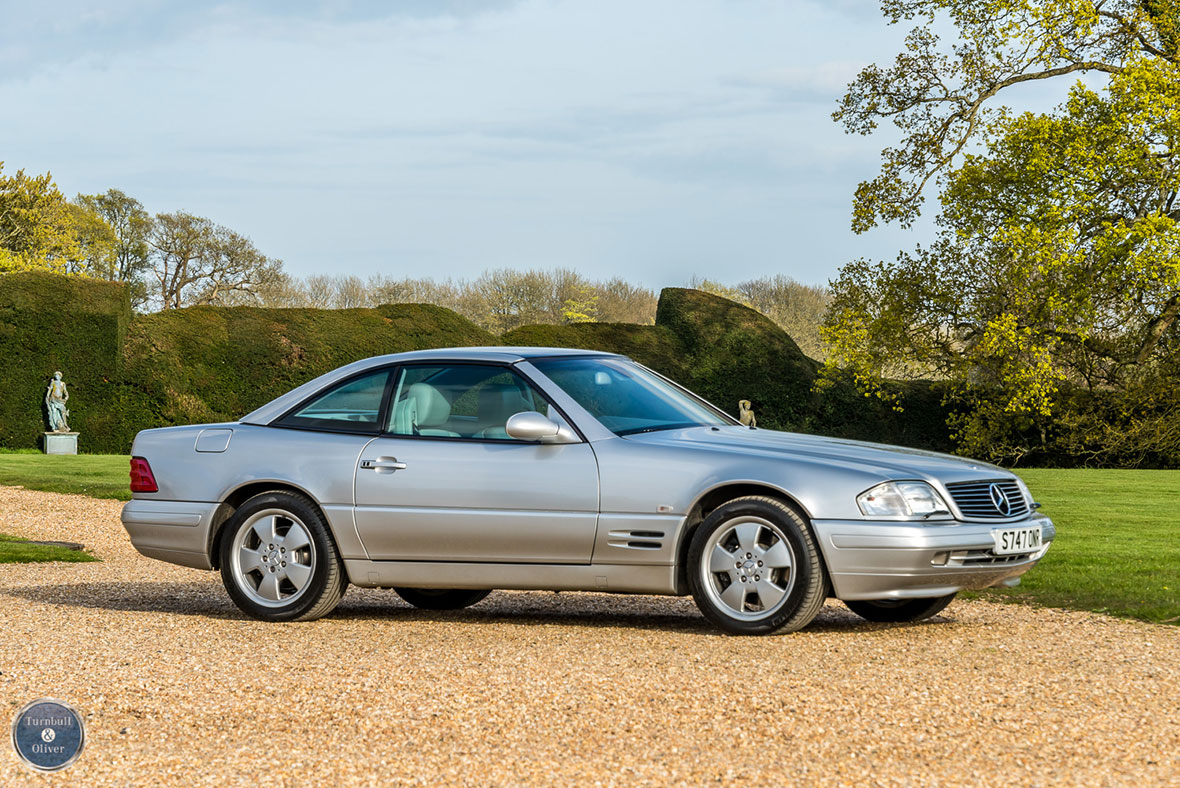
column 627, row 398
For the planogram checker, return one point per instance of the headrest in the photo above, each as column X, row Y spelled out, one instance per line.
column 498, row 401
column 430, row 406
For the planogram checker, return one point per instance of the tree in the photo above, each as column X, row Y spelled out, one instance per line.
column 131, row 226
column 1049, row 301
column 96, row 242
column 620, row 301
column 582, row 306
column 39, row 229
column 417, row 291
column 281, row 291
column 234, row 270
column 195, row 261
column 943, row 99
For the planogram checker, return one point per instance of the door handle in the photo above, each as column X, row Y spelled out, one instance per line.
column 388, row 464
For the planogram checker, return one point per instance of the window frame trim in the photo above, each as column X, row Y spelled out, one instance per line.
column 393, row 371
column 382, row 410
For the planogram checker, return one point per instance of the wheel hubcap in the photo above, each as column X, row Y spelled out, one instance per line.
column 747, row 568
column 273, row 558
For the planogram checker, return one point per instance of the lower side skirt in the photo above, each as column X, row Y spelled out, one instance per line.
column 522, row 577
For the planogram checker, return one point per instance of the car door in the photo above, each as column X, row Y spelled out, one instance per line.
column 445, row 482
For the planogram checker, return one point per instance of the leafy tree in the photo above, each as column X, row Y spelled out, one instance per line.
column 95, row 239
column 1049, row 300
column 131, row 225
column 582, row 306
column 943, row 98
column 39, row 228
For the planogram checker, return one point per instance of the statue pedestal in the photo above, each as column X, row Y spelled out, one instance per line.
column 61, row 443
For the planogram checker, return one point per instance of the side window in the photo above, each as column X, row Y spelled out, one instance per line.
column 460, row 401
column 352, row 406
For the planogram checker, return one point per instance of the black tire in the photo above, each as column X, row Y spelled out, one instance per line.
column 805, row 583
column 325, row 582
column 442, row 598
column 894, row 611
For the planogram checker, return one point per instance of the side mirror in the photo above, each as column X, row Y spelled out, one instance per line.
column 533, row 426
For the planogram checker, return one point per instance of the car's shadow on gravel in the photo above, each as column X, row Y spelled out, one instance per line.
column 666, row 614
column 502, row 610
column 189, row 599
column 208, row 600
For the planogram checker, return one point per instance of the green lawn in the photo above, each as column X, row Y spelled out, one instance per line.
column 1117, row 549
column 96, row 475
column 1118, row 543
column 20, row 551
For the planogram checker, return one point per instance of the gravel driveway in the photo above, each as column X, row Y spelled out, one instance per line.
column 559, row 689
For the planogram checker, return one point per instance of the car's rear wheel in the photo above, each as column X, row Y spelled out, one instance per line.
column 754, row 568
column 279, row 561
column 441, row 598
column 893, row 611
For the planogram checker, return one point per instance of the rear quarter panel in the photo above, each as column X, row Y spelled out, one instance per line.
column 321, row 464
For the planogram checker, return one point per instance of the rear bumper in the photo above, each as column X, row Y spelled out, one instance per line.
column 173, row 531
column 891, row 560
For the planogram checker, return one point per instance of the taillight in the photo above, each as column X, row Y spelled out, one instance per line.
column 142, row 478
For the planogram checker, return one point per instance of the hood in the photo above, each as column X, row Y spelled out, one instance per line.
column 889, row 462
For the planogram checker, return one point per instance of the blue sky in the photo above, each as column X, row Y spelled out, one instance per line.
column 650, row 139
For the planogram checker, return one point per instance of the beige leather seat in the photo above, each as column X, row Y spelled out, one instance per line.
column 421, row 412
column 497, row 402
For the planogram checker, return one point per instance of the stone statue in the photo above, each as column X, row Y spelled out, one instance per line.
column 745, row 415
column 55, row 402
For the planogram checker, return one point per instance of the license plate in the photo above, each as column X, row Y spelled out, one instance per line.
column 1010, row 541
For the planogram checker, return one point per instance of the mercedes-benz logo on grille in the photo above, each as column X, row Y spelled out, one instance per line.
column 1000, row 500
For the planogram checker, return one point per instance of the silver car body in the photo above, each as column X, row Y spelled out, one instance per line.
column 605, row 513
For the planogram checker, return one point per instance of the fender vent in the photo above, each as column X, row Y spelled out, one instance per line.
column 636, row 540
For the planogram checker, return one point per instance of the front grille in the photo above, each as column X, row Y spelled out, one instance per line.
column 986, row 499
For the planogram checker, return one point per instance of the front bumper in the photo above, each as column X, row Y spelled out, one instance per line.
column 901, row 560
column 173, row 531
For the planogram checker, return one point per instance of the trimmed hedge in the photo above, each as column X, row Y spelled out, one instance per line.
column 209, row 364
column 655, row 346
column 126, row 373
column 50, row 322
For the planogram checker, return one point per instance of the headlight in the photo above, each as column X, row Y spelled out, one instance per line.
column 910, row 500
column 1026, row 493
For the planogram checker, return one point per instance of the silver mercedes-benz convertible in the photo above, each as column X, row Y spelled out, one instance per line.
column 444, row 474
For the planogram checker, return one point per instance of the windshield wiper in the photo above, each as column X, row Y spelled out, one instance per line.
column 659, row 428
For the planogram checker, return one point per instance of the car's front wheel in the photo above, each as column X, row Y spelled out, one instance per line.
column 754, row 568
column 894, row 611
column 279, row 561
column 441, row 598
